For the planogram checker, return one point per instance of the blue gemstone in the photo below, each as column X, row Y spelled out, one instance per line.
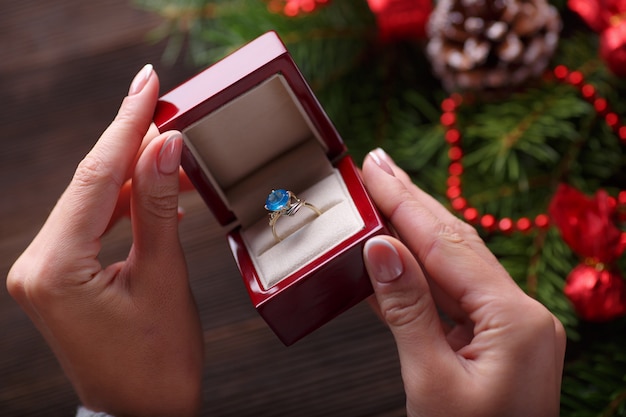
column 277, row 200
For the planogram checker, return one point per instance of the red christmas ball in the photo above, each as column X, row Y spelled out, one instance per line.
column 607, row 17
column 587, row 224
column 598, row 294
column 613, row 48
column 401, row 19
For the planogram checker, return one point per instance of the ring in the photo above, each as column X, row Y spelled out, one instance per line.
column 282, row 202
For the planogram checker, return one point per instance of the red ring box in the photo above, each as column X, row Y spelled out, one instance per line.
column 251, row 124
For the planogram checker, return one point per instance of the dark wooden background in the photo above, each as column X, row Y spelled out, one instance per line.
column 64, row 67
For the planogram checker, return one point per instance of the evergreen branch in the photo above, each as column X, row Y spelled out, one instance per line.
column 532, row 279
column 614, row 405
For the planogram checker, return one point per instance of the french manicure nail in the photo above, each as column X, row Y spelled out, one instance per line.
column 383, row 155
column 169, row 156
column 381, row 161
column 384, row 260
column 140, row 80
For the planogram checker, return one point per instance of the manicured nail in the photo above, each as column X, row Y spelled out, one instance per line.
column 383, row 155
column 383, row 260
column 169, row 156
column 140, row 80
column 380, row 161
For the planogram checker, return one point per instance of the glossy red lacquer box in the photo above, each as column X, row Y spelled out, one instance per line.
column 252, row 124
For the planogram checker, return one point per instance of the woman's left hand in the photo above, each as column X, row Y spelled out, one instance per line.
column 128, row 335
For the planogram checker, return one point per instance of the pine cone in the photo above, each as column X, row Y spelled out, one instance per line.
column 491, row 44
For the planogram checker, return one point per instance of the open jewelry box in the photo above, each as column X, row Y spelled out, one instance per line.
column 250, row 125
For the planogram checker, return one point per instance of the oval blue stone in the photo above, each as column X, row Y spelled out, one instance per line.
column 277, row 200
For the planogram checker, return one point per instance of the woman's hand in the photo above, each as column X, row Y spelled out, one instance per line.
column 128, row 335
column 501, row 352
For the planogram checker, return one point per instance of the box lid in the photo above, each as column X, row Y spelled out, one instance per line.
column 215, row 87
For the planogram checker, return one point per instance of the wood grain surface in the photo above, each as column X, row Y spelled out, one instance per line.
column 65, row 65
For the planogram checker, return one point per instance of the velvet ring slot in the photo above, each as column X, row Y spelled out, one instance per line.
column 305, row 235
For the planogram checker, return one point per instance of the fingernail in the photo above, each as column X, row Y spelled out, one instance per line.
column 383, row 155
column 380, row 161
column 383, row 260
column 169, row 156
column 140, row 80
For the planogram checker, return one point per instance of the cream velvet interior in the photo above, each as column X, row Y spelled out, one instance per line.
column 263, row 140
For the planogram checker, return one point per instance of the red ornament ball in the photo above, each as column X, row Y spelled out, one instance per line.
column 613, row 48
column 598, row 294
column 401, row 19
column 608, row 18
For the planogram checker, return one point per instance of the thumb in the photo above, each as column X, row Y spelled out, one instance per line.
column 407, row 307
column 154, row 201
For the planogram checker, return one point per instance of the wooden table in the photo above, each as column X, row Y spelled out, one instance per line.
column 64, row 67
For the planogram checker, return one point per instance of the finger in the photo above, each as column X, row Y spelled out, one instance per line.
column 462, row 332
column 152, row 133
column 383, row 161
column 154, row 202
column 448, row 259
column 122, row 208
column 429, row 201
column 405, row 304
column 86, row 207
column 441, row 212
column 185, row 182
column 447, row 303
column 458, row 334
column 561, row 343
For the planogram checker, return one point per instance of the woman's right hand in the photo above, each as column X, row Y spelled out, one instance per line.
column 502, row 354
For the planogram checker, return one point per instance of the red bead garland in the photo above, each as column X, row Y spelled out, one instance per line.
column 453, row 137
column 293, row 8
